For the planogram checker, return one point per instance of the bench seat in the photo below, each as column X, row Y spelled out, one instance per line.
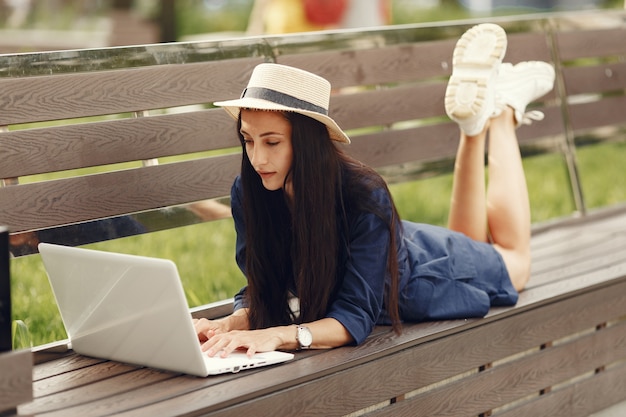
column 565, row 337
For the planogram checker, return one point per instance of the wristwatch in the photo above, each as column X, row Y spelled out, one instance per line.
column 304, row 337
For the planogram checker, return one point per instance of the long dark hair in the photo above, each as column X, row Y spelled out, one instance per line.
column 297, row 244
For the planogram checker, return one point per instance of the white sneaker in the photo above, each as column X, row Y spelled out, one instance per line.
column 470, row 95
column 520, row 84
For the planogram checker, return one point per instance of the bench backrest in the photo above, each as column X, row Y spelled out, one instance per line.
column 131, row 131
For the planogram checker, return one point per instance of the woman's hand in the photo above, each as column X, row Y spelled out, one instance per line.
column 253, row 341
column 223, row 336
column 205, row 329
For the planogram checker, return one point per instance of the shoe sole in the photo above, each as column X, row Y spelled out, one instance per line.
column 475, row 62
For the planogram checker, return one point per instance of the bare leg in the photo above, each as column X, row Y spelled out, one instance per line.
column 479, row 88
column 508, row 207
column 470, row 101
column 502, row 209
column 468, row 210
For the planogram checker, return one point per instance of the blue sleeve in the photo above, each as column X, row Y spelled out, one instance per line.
column 359, row 301
column 240, row 246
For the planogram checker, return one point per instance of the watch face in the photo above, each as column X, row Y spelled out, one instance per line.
column 305, row 338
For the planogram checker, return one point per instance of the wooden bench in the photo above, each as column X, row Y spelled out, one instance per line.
column 561, row 351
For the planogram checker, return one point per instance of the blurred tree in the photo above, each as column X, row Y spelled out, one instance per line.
column 198, row 16
column 167, row 21
column 122, row 4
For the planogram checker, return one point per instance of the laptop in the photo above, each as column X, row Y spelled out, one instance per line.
column 133, row 309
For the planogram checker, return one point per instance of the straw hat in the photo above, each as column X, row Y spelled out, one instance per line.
column 283, row 88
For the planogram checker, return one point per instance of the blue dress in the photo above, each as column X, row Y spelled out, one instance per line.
column 443, row 274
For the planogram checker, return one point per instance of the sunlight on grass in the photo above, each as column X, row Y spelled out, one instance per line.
column 610, row 187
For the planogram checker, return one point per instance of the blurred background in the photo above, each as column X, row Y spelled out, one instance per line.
column 29, row 25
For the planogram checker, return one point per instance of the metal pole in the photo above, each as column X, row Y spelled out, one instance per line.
column 5, row 292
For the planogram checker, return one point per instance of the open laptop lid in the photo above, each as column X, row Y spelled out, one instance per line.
column 130, row 309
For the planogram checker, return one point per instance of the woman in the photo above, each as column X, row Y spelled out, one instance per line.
column 318, row 236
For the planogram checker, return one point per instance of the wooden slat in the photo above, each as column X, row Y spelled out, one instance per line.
column 34, row 151
column 434, row 142
column 609, row 111
column 97, row 372
column 214, row 310
column 504, row 384
column 577, row 251
column 586, row 245
column 408, row 145
column 579, row 400
column 67, row 363
column 610, row 220
column 404, row 62
column 113, row 395
column 45, row 204
column 607, row 223
column 603, row 263
column 527, row 46
column 377, row 66
column 594, row 79
column 92, row 384
column 43, row 98
column 15, row 379
column 388, row 106
column 591, row 43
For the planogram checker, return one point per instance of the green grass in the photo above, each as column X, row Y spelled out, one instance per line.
column 204, row 253
column 602, row 174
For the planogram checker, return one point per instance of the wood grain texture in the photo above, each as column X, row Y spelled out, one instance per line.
column 604, row 112
column 591, row 43
column 35, row 151
column 594, row 79
column 57, row 202
column 588, row 396
column 15, row 379
column 43, row 98
column 483, row 391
